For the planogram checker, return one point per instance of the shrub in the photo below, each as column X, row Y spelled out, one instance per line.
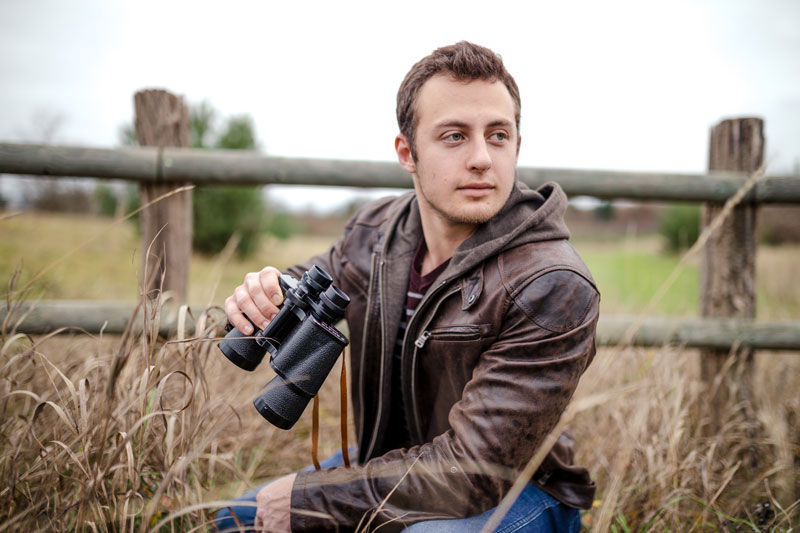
column 132, row 202
column 106, row 200
column 604, row 211
column 282, row 225
column 219, row 212
column 679, row 224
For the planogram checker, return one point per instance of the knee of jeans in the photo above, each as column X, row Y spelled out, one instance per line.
column 224, row 520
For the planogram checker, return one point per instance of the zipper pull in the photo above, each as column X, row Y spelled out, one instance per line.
column 420, row 342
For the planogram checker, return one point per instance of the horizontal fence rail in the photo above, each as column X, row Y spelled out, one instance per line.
column 722, row 333
column 215, row 167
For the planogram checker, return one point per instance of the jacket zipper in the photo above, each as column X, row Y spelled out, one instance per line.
column 420, row 342
column 381, row 294
column 362, row 386
column 454, row 333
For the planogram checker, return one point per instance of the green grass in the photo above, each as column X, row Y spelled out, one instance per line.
column 86, row 257
column 630, row 272
column 628, row 280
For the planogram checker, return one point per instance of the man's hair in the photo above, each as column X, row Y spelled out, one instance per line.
column 464, row 61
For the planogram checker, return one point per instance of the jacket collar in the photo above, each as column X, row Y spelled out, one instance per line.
column 528, row 216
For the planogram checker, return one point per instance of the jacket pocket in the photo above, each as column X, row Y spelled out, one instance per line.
column 455, row 333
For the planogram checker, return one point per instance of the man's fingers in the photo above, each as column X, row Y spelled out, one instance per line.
column 268, row 277
column 236, row 317
column 256, row 297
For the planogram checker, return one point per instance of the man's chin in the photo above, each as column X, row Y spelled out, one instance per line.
column 473, row 215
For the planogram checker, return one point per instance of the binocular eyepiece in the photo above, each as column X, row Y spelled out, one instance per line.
column 302, row 341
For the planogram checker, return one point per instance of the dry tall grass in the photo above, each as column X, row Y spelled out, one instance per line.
column 127, row 433
column 655, row 465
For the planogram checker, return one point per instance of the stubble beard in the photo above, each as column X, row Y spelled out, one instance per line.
column 467, row 216
column 472, row 217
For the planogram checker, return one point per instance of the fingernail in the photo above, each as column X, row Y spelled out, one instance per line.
column 276, row 299
column 247, row 330
column 265, row 324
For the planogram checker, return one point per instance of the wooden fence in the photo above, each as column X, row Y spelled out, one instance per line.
column 167, row 166
column 727, row 294
column 163, row 164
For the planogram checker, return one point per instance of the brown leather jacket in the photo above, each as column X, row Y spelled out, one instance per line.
column 491, row 358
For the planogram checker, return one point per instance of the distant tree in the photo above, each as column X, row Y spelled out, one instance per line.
column 126, row 134
column 220, row 212
column 239, row 134
column 105, row 200
column 679, row 224
column 604, row 211
column 52, row 194
column 201, row 123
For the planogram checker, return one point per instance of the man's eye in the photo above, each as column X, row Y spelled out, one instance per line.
column 499, row 136
column 454, row 137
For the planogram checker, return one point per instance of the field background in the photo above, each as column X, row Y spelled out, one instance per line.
column 643, row 436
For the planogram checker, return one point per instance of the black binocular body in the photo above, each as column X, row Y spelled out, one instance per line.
column 302, row 341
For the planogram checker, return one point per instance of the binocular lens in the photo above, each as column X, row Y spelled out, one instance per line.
column 242, row 350
column 280, row 403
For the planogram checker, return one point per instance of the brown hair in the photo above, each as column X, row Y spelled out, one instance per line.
column 464, row 61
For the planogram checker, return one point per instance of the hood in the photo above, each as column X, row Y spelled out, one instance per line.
column 528, row 216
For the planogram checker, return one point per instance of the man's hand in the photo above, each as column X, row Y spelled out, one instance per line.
column 274, row 503
column 258, row 297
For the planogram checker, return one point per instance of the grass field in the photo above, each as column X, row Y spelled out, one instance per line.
column 91, row 258
column 120, row 433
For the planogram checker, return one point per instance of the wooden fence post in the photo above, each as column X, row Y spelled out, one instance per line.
column 727, row 273
column 162, row 119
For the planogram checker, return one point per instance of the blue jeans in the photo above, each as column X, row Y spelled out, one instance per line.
column 534, row 511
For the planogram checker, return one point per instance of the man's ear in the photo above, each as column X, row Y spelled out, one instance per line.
column 519, row 143
column 404, row 157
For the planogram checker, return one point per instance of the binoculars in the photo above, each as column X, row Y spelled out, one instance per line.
column 302, row 341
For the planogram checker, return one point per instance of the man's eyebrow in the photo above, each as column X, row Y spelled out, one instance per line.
column 451, row 124
column 500, row 122
column 459, row 124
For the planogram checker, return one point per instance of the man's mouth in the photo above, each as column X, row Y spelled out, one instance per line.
column 477, row 186
column 476, row 190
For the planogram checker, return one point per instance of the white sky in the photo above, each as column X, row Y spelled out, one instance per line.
column 627, row 85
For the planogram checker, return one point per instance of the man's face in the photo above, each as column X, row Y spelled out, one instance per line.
column 466, row 146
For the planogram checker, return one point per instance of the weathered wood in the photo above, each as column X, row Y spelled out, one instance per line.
column 94, row 317
column 211, row 167
column 722, row 333
column 716, row 333
column 727, row 270
column 135, row 164
column 162, row 119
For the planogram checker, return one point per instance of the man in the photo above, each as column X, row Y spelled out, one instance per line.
column 471, row 320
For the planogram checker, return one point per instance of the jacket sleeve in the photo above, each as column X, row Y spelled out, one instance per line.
column 517, row 392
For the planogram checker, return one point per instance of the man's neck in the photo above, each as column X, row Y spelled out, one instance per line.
column 442, row 237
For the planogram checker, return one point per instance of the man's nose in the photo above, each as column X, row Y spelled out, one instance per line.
column 479, row 158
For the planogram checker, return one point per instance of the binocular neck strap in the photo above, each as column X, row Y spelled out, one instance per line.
column 342, row 418
column 343, row 411
column 315, row 433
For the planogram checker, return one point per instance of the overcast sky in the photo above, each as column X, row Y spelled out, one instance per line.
column 626, row 85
